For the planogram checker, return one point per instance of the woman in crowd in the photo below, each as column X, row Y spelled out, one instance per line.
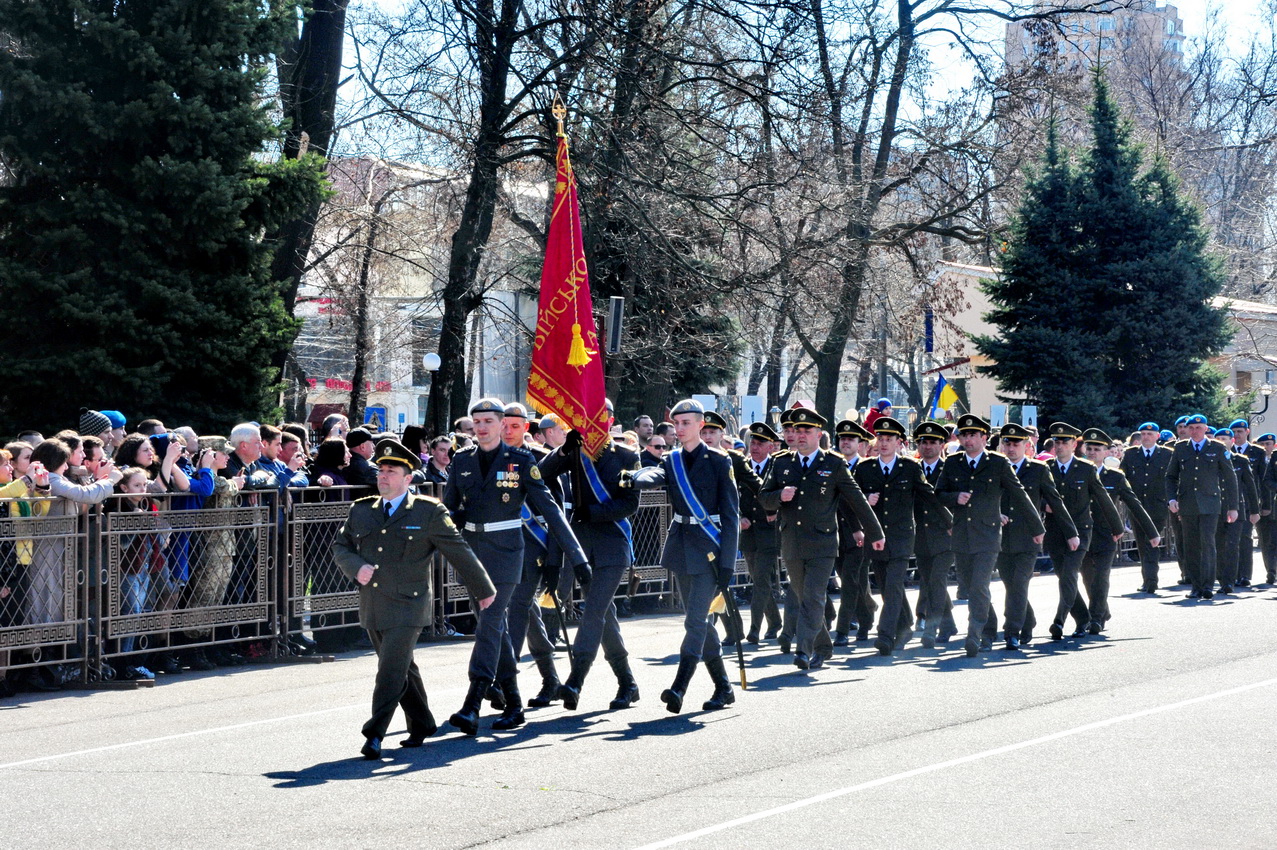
column 141, row 556
column 214, row 561
column 15, row 553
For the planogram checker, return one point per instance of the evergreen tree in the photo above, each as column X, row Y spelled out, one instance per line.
column 1103, row 304
column 133, row 271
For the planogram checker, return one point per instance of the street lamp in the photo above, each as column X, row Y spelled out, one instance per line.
column 774, row 414
column 1266, row 391
column 432, row 363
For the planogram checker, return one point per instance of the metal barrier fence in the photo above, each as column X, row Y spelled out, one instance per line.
column 103, row 585
column 44, row 606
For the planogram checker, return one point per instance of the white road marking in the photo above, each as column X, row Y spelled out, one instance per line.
column 945, row 765
column 180, row 735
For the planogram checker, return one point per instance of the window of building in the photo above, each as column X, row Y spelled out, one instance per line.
column 1107, row 24
column 1170, row 26
column 1106, row 43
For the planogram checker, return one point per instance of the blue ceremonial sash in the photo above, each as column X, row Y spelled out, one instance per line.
column 693, row 504
column 602, row 497
column 531, row 524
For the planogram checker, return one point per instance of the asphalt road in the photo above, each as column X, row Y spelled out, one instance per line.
column 1156, row 734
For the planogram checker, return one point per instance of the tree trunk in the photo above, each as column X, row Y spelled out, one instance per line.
column 363, row 305
column 309, row 70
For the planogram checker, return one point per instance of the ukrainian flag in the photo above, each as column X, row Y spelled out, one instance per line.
column 945, row 397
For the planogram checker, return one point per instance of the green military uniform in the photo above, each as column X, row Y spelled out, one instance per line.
column 1201, row 481
column 396, row 604
column 808, row 529
column 900, row 486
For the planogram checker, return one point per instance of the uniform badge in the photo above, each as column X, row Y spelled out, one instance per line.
column 447, row 520
column 535, row 472
column 505, row 497
column 709, row 556
column 465, row 473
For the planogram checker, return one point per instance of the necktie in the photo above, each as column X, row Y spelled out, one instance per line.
column 1148, row 453
column 758, row 470
column 886, row 470
column 1197, row 447
column 806, row 462
column 387, row 507
column 973, row 464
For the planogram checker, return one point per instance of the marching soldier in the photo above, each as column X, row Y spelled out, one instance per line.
column 895, row 487
column 747, row 484
column 386, row 546
column 1020, row 548
column 804, row 486
column 1267, row 525
column 758, row 539
column 540, row 551
column 1231, row 537
column 700, row 547
column 487, row 488
column 1201, row 485
column 601, row 522
column 1145, row 466
column 1097, row 566
column 971, row 484
column 933, row 544
column 1241, row 445
column 1079, row 484
column 856, row 606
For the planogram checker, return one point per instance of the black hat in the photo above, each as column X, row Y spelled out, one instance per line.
column 515, row 409
column 803, row 416
column 787, row 417
column 971, row 422
column 889, row 426
column 931, row 429
column 714, row 419
column 687, row 405
column 1012, row 431
column 488, row 405
column 850, row 428
column 762, row 431
column 357, row 437
column 1096, row 437
column 393, row 451
column 1064, row 431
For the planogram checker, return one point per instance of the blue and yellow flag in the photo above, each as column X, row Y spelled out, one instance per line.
column 945, row 397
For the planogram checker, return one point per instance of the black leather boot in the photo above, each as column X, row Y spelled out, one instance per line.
column 673, row 695
column 467, row 719
column 549, row 684
column 570, row 691
column 627, row 692
column 723, row 694
column 512, row 717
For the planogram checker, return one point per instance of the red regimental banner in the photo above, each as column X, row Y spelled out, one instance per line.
column 567, row 369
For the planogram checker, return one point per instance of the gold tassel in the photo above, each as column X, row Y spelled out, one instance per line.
column 546, row 601
column 577, row 355
column 719, row 605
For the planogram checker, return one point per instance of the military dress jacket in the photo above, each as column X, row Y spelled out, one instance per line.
column 899, row 495
column 1147, row 477
column 1201, row 481
column 1039, row 486
column 594, row 523
column 689, row 550
column 1083, row 493
column 977, row 525
column 400, row 548
column 1119, row 489
column 488, row 509
column 1247, row 492
column 932, row 521
column 761, row 533
column 807, row 525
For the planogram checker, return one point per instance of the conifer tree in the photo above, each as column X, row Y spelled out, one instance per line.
column 1103, row 302
column 134, row 195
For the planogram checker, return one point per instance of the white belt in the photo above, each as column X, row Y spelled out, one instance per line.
column 503, row 525
column 567, row 506
column 691, row 520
